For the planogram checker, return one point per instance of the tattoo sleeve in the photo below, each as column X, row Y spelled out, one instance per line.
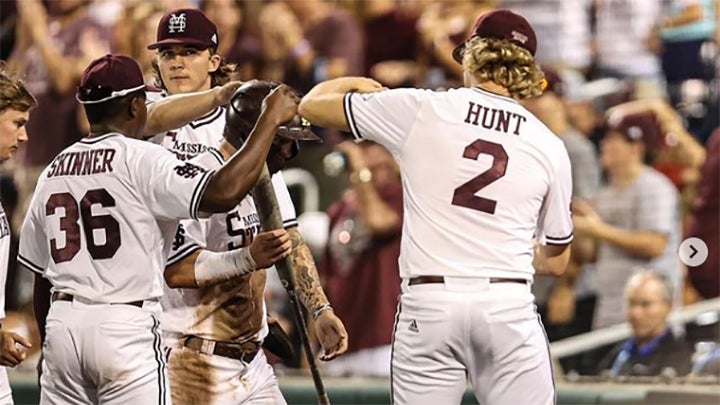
column 308, row 286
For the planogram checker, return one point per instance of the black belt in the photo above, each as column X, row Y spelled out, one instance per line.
column 245, row 352
column 61, row 296
column 441, row 280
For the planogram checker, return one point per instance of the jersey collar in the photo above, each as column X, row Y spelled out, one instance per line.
column 100, row 138
column 491, row 94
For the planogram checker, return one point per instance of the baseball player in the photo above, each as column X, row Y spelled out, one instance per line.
column 15, row 105
column 214, row 334
column 98, row 228
column 481, row 178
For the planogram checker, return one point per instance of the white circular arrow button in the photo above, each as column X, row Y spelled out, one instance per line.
column 693, row 252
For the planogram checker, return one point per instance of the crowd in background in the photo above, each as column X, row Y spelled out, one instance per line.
column 612, row 66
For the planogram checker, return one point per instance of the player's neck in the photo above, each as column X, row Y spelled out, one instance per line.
column 105, row 128
column 493, row 87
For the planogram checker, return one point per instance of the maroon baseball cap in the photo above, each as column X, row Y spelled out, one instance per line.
column 501, row 24
column 638, row 127
column 109, row 77
column 186, row 26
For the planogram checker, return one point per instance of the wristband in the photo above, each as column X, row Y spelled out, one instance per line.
column 215, row 267
column 320, row 310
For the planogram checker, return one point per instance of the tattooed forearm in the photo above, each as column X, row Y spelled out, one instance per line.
column 308, row 286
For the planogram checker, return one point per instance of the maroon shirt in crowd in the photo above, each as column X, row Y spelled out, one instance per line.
column 705, row 223
column 363, row 273
column 390, row 36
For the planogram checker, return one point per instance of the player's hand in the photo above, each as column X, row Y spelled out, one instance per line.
column 269, row 247
column 280, row 105
column 224, row 93
column 332, row 335
column 10, row 354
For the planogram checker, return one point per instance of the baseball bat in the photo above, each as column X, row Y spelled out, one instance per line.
column 267, row 207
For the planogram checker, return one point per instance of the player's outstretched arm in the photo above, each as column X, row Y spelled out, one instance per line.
column 176, row 111
column 329, row 328
column 204, row 267
column 323, row 105
column 238, row 175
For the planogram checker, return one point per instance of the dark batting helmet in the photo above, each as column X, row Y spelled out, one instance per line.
column 243, row 112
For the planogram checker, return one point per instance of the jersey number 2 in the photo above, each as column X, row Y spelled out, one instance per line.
column 90, row 223
column 465, row 195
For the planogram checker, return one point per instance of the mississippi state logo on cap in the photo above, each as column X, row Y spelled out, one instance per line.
column 187, row 26
column 176, row 23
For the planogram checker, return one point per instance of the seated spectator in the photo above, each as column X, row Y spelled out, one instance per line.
column 653, row 347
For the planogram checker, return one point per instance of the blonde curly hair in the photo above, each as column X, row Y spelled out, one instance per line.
column 505, row 63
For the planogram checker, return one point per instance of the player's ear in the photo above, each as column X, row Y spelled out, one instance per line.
column 215, row 61
column 134, row 106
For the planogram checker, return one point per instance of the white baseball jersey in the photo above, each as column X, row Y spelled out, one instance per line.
column 227, row 311
column 481, row 177
column 5, row 240
column 104, row 213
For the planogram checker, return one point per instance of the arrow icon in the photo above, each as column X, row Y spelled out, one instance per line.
column 694, row 251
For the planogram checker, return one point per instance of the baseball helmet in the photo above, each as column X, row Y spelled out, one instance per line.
column 243, row 112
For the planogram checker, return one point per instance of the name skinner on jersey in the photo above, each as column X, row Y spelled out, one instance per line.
column 82, row 163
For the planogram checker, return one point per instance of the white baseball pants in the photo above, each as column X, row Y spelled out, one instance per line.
column 203, row 379
column 103, row 354
column 470, row 329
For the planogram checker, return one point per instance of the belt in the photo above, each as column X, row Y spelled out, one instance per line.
column 245, row 352
column 61, row 296
column 441, row 280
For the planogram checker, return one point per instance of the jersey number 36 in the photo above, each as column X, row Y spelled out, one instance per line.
column 90, row 223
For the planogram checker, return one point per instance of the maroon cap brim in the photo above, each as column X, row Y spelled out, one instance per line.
column 180, row 41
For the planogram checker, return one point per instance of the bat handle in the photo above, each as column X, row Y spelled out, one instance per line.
column 322, row 395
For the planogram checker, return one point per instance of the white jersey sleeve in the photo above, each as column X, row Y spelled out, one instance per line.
column 162, row 180
column 189, row 237
column 33, row 251
column 555, row 226
column 386, row 117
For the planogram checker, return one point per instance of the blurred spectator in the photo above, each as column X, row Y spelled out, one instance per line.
column 564, row 27
column 53, row 47
column 684, row 26
column 444, row 25
column 361, row 258
column 308, row 41
column 137, row 29
column 653, row 347
column 635, row 221
column 622, row 30
column 704, row 222
column 391, row 42
column 566, row 304
column 239, row 42
column 677, row 154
